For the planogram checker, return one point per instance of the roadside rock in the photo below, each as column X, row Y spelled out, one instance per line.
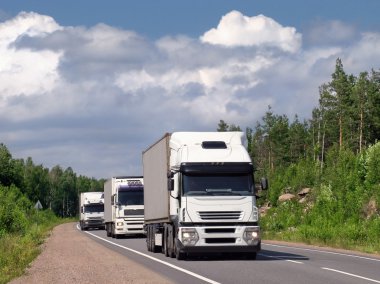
column 286, row 197
column 68, row 256
column 305, row 191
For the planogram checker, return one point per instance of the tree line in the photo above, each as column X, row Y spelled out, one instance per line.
column 56, row 188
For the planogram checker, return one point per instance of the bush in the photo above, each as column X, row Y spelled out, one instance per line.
column 14, row 211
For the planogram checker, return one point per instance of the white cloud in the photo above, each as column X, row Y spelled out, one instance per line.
column 236, row 29
column 24, row 71
column 94, row 98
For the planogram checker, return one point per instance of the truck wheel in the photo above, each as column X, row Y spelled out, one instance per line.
column 178, row 254
column 165, row 241
column 149, row 238
column 108, row 230
column 171, row 242
column 112, row 230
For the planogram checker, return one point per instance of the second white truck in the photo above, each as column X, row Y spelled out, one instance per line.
column 124, row 206
column 91, row 209
column 199, row 195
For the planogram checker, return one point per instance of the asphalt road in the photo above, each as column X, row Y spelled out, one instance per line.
column 274, row 264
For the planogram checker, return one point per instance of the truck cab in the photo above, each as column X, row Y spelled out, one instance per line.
column 124, row 207
column 91, row 210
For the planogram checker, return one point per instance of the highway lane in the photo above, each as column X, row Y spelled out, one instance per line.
column 274, row 264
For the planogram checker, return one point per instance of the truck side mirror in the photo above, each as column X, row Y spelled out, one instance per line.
column 264, row 183
column 170, row 184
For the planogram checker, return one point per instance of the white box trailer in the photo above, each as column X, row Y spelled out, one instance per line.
column 199, row 195
column 124, row 206
column 91, row 208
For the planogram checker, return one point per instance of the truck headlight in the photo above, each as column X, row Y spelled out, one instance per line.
column 189, row 236
column 252, row 235
column 119, row 224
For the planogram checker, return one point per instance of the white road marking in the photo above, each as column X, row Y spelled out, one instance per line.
column 327, row 252
column 158, row 260
column 350, row 274
column 282, row 257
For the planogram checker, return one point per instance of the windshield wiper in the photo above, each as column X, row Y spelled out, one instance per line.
column 196, row 193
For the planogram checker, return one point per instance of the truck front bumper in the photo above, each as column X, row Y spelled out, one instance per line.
column 239, row 238
column 219, row 248
column 127, row 226
column 93, row 223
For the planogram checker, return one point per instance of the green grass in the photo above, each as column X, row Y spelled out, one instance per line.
column 360, row 236
column 17, row 251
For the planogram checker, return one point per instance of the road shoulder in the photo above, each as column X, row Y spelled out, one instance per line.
column 69, row 256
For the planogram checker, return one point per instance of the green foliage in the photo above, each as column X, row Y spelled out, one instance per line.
column 334, row 213
column 23, row 229
column 14, row 211
column 372, row 165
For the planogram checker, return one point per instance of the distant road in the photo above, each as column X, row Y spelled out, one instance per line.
column 274, row 264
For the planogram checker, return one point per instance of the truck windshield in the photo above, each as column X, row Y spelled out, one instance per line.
column 94, row 208
column 218, row 185
column 131, row 197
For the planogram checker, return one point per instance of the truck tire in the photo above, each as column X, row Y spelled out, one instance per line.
column 108, row 230
column 166, row 241
column 177, row 251
column 112, row 230
column 171, row 241
column 178, row 254
column 148, row 238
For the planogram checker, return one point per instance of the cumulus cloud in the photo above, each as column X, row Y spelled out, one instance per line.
column 235, row 29
column 24, row 71
column 94, row 98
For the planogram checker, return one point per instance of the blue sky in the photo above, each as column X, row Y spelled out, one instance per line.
column 157, row 18
column 91, row 84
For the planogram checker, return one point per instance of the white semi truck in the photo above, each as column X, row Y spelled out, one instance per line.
column 124, row 206
column 91, row 210
column 199, row 195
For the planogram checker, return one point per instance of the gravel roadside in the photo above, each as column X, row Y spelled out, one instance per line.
column 68, row 256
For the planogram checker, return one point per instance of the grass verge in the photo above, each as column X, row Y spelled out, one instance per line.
column 17, row 251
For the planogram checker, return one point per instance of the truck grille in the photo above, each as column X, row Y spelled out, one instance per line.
column 220, row 215
column 133, row 212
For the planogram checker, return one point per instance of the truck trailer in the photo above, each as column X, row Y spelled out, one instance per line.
column 124, row 206
column 91, row 210
column 199, row 195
